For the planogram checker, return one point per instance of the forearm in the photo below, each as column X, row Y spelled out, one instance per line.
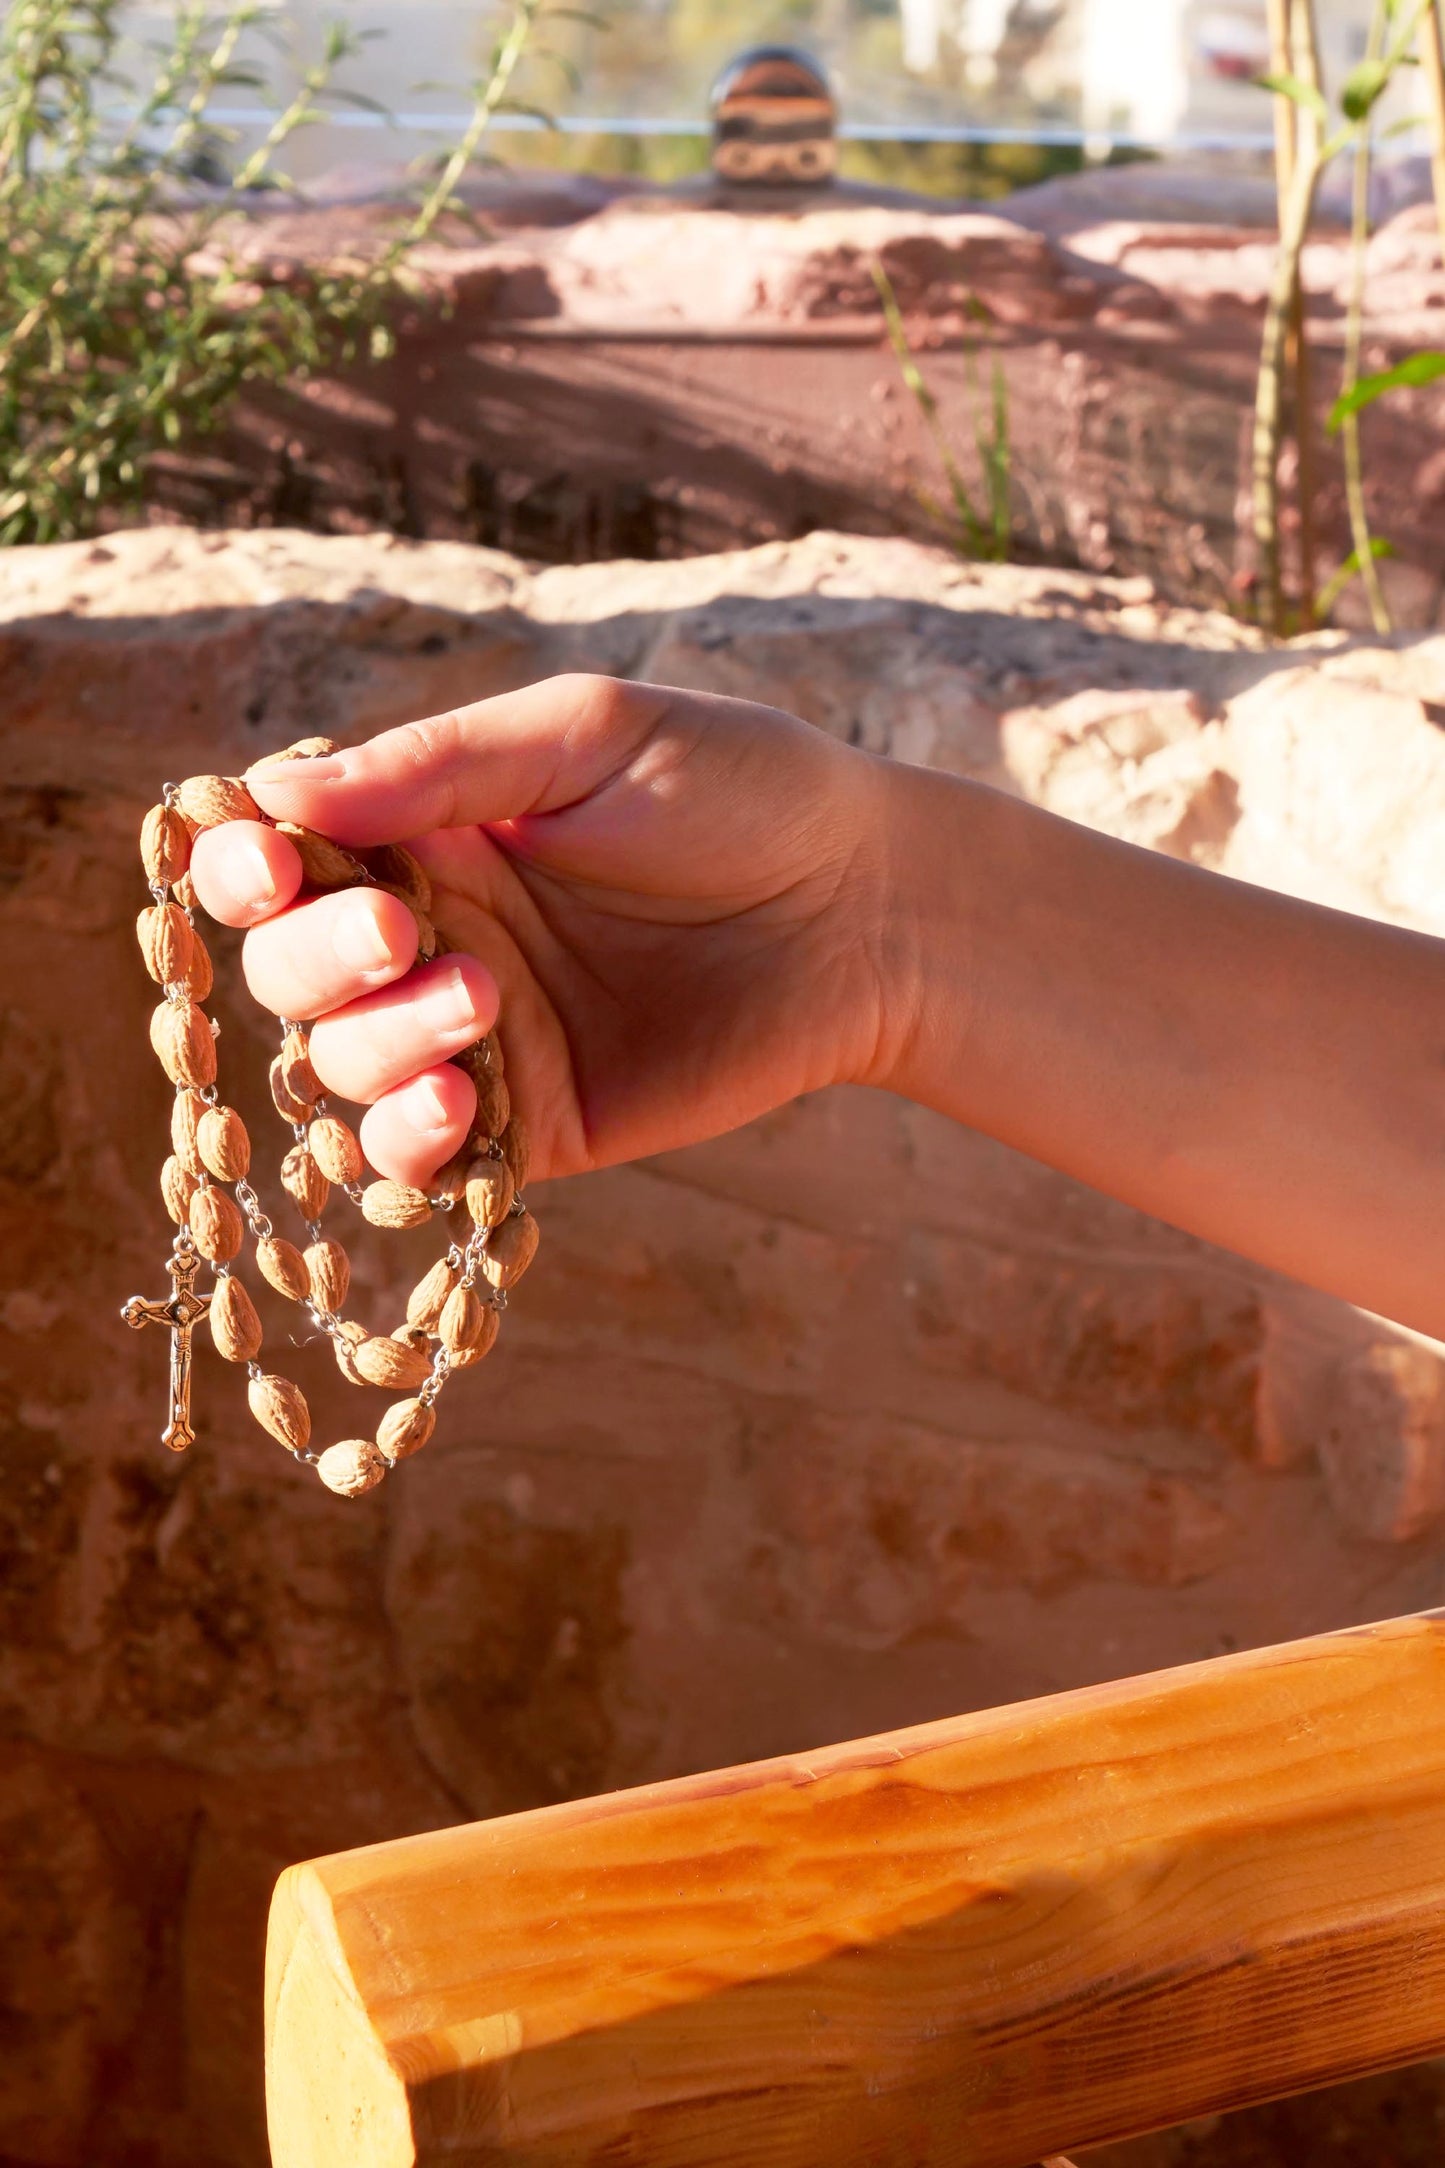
column 1265, row 1073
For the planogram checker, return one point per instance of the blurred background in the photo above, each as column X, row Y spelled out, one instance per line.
column 958, row 97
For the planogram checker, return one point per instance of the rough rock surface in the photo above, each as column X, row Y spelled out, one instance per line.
column 655, row 375
column 988, row 1436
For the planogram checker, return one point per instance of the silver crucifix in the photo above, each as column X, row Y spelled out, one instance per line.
column 180, row 1311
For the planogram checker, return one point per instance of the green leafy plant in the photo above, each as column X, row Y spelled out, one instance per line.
column 1415, row 369
column 130, row 316
column 1357, row 393
column 1358, row 104
column 1315, row 142
column 986, row 531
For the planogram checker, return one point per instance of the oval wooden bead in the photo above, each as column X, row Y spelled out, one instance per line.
column 300, row 1078
column 283, row 1267
column 405, row 1428
column 199, row 977
column 450, row 1180
column 162, row 1028
column 494, row 1104
column 328, row 1272
column 480, row 1325
column 302, row 1179
column 510, row 1249
column 517, row 1150
column 351, row 1468
column 424, row 1304
column 235, row 1327
column 304, row 749
column 460, row 1324
column 344, row 1347
column 185, row 1121
column 489, row 1191
column 394, row 1204
column 415, row 1336
column 165, row 844
column 178, row 1186
column 216, row 1224
column 165, row 937
column 392, row 1364
column 426, row 933
column 462, row 1358
column 280, row 1407
column 208, row 800
column 335, row 1150
column 183, row 887
column 394, row 867
column 482, row 1056
column 324, row 863
column 184, row 1043
column 486, row 1338
column 287, row 1105
column 223, row 1144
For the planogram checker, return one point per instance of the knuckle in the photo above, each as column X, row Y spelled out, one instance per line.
column 431, row 742
column 428, row 753
column 602, row 700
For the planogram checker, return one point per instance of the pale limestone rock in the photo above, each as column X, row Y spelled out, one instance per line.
column 1383, row 1452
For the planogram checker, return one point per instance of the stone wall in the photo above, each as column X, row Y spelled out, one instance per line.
column 658, row 375
column 769, row 1455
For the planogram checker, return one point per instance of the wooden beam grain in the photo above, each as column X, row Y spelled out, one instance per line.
column 962, row 1946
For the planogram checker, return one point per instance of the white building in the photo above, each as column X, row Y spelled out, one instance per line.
column 1181, row 71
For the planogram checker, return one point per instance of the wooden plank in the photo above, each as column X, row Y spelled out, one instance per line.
column 970, row 1944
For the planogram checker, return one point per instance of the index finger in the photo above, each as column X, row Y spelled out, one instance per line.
column 244, row 872
column 538, row 750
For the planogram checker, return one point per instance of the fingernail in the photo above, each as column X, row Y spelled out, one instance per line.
column 426, row 1108
column 446, row 1004
column 249, row 875
column 321, row 768
column 359, row 942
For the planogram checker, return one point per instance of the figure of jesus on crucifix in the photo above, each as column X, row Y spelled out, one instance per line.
column 182, row 1309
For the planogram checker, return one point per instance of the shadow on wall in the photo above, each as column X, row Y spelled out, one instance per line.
column 593, row 393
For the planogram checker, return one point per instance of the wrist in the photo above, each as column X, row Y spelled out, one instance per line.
column 927, row 831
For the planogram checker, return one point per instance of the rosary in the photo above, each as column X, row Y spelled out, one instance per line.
column 454, row 1312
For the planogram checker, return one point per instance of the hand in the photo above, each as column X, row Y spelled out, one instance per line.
column 674, row 901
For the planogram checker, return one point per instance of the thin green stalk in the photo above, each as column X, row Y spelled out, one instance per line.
column 970, row 526
column 211, row 71
column 1364, row 547
column 1000, row 465
column 991, row 441
column 1296, row 208
column 1269, row 390
column 1432, row 67
column 1297, row 347
column 494, row 98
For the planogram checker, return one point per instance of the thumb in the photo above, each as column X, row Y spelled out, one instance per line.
column 535, row 751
